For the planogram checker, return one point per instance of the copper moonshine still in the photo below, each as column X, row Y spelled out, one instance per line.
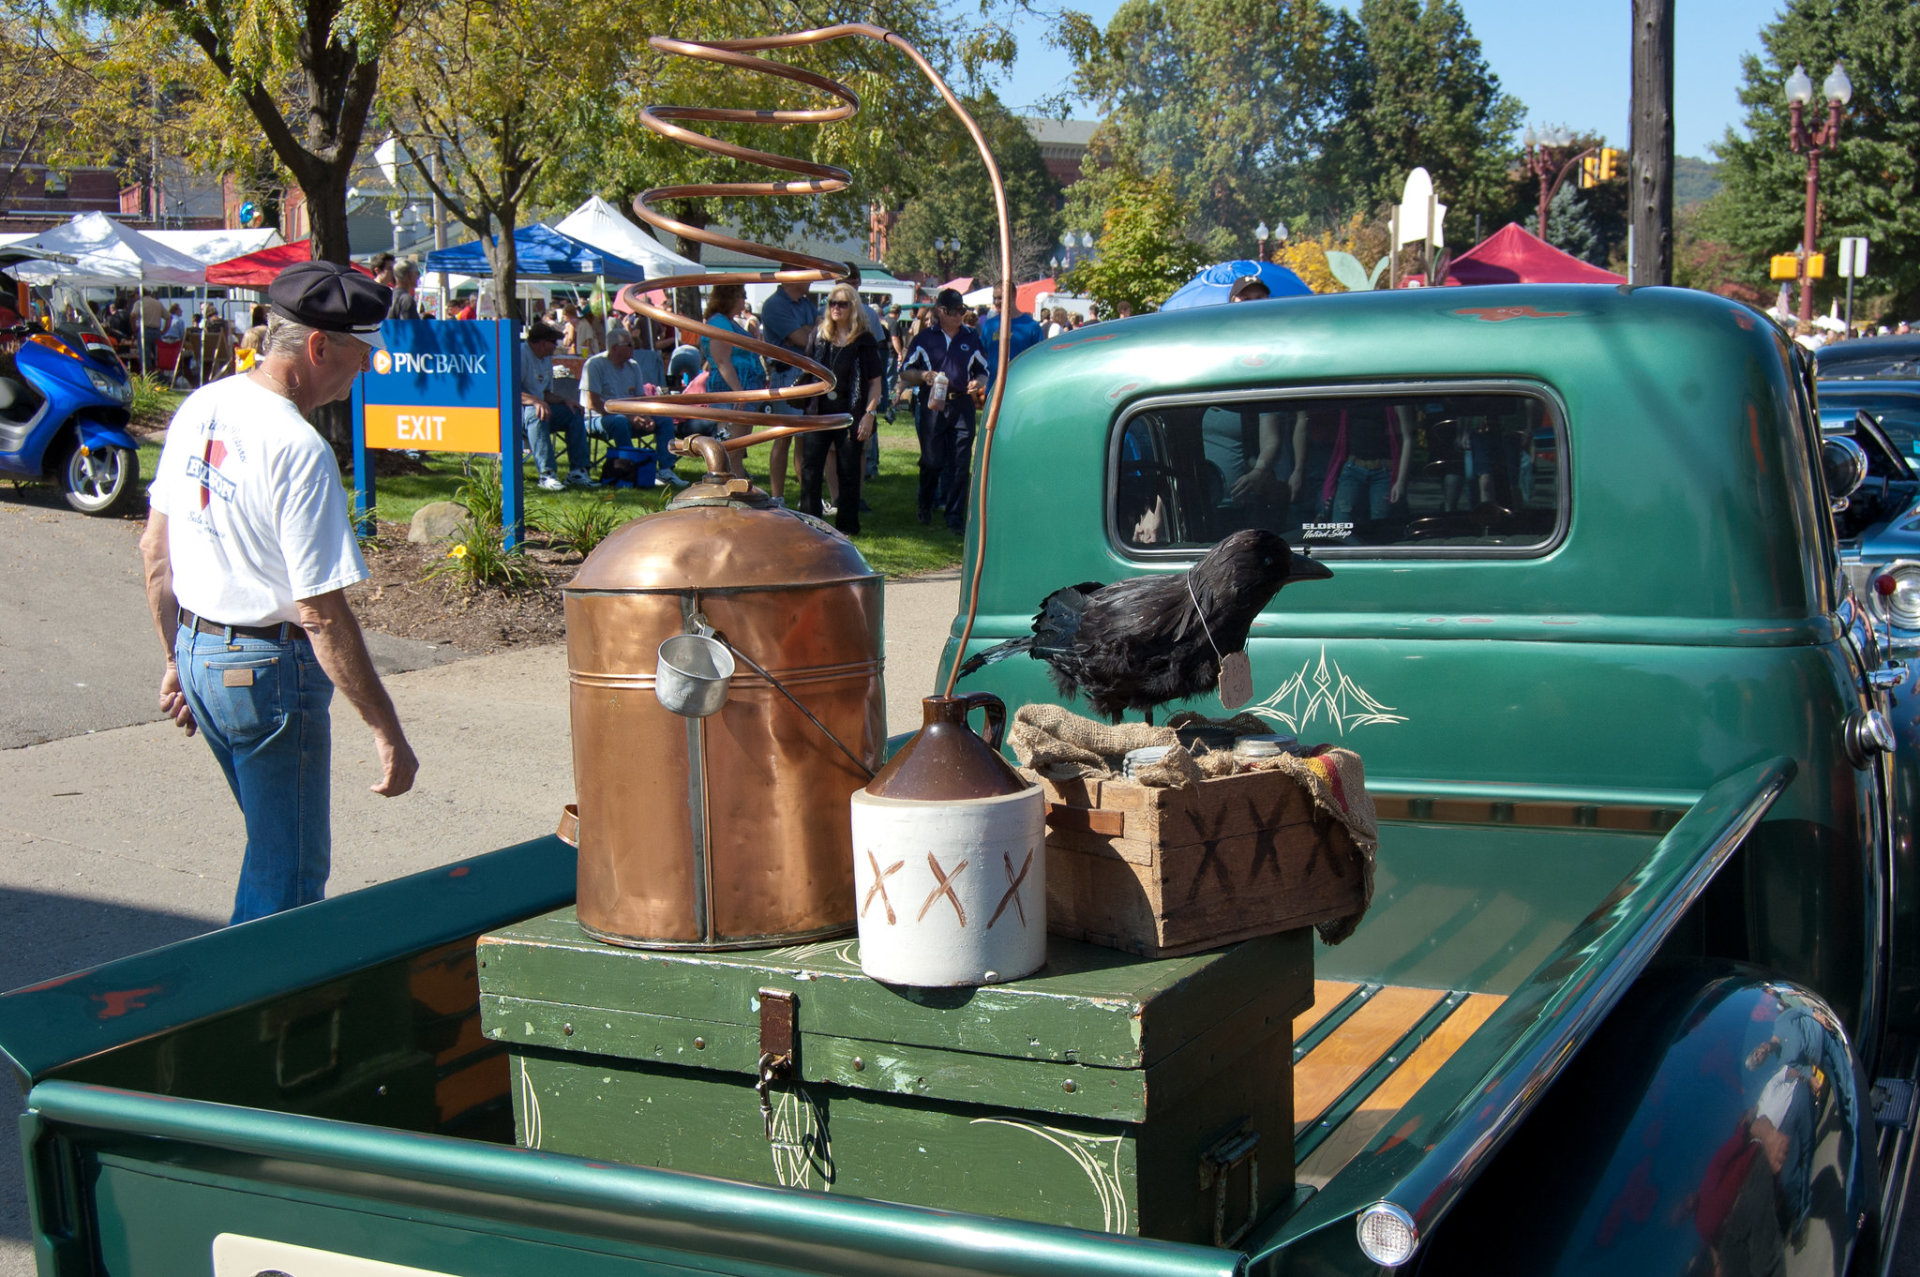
column 729, row 830
column 724, row 655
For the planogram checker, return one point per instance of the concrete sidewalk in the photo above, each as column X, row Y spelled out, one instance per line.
column 116, row 841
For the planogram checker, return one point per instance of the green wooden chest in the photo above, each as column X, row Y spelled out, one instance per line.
column 1108, row 1092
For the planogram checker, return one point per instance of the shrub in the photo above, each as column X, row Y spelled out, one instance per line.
column 579, row 524
column 480, row 493
column 479, row 556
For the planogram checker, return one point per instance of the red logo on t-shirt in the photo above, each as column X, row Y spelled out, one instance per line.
column 216, row 453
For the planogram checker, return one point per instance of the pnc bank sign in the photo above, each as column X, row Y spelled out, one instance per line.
column 441, row 386
column 436, row 387
column 429, row 363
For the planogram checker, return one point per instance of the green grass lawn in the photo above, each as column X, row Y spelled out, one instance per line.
column 891, row 537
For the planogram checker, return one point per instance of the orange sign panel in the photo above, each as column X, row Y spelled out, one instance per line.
column 433, row 428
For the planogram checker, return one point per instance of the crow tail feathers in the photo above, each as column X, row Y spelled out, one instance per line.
column 1000, row 652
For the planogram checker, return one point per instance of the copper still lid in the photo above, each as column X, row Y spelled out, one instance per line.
column 712, row 538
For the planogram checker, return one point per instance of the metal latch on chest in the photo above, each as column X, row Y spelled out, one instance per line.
column 776, row 1049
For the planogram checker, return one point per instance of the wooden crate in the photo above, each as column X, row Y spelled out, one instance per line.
column 1166, row 872
column 1143, row 1097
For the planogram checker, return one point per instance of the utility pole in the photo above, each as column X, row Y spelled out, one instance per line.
column 1651, row 143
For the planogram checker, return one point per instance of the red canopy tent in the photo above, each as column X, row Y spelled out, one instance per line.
column 257, row 270
column 1511, row 255
column 1025, row 295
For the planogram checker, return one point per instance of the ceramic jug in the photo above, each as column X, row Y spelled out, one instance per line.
column 949, row 857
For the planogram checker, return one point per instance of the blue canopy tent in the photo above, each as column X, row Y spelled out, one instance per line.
column 1210, row 286
column 543, row 253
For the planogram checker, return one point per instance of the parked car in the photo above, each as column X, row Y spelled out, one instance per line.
column 1638, row 990
column 1880, row 527
column 1893, row 356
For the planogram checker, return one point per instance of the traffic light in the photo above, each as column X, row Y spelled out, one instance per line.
column 1787, row 266
column 1602, row 166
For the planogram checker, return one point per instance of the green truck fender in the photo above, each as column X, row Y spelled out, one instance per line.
column 1719, row 1121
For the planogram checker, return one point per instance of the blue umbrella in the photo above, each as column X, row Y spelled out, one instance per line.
column 1209, row 287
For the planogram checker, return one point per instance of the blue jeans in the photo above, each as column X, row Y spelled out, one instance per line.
column 561, row 417
column 1355, row 479
column 620, row 429
column 262, row 709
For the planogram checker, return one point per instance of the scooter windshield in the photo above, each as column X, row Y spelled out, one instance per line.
column 74, row 322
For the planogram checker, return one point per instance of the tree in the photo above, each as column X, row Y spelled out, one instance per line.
column 961, row 205
column 50, row 66
column 1144, row 252
column 882, row 147
column 306, row 72
column 1867, row 182
column 1421, row 94
column 491, row 91
column 1233, row 97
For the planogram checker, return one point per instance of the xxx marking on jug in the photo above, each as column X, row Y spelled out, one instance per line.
column 945, row 888
column 879, row 887
column 1013, row 889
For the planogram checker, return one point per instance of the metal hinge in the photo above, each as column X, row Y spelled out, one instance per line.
column 776, row 1048
column 1217, row 1165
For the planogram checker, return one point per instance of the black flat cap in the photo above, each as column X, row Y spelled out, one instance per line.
column 1251, row 287
column 331, row 298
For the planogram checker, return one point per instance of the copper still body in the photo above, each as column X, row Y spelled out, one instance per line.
column 731, row 830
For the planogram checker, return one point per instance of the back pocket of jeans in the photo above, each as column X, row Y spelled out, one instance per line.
column 243, row 694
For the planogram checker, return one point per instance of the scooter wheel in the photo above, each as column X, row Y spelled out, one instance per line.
column 98, row 480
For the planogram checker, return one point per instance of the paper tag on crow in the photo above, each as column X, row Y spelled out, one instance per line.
column 1236, row 680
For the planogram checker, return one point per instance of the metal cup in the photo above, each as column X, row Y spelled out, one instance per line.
column 693, row 674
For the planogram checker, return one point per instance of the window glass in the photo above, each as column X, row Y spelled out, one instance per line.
column 1439, row 472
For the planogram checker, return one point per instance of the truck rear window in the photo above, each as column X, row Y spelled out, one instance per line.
column 1417, row 472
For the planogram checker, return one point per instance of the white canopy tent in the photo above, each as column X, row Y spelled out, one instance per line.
column 600, row 224
column 211, row 247
column 105, row 254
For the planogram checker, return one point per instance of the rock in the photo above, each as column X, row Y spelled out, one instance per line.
column 436, row 521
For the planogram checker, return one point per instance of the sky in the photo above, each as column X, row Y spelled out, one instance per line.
column 1569, row 64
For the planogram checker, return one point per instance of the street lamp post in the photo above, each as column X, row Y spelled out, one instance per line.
column 1839, row 91
column 1545, row 163
column 946, row 254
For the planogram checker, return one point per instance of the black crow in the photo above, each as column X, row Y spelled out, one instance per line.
column 1142, row 642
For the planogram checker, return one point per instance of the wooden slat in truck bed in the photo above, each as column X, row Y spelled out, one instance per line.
column 1360, row 1052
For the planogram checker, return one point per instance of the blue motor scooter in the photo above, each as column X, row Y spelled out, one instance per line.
column 64, row 401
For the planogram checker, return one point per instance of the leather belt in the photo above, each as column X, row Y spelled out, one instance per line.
column 284, row 632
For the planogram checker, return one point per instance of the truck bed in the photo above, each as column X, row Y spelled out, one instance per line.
column 330, row 1060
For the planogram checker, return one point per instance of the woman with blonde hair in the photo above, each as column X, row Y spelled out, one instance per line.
column 845, row 344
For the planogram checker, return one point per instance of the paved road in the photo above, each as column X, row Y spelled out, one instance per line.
column 117, row 835
column 77, row 652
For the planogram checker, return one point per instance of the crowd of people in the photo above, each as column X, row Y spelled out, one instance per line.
column 935, row 359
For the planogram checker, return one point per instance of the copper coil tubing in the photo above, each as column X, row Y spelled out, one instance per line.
column 813, row 179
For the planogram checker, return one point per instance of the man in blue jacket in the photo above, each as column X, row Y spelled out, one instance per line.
column 1026, row 333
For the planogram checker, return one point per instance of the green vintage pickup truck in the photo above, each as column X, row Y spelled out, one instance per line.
column 1637, row 989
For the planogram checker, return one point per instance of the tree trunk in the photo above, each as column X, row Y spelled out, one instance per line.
column 505, row 260
column 687, row 300
column 326, row 214
column 1650, row 171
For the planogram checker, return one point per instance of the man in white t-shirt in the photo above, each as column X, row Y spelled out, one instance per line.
column 248, row 551
column 621, row 373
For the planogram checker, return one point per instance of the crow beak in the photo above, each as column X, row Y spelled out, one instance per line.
column 1306, row 569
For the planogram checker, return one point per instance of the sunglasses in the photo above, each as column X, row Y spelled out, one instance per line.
column 839, row 305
